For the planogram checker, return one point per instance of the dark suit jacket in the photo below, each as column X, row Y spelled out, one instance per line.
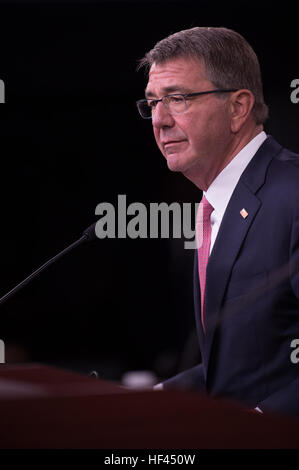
column 252, row 291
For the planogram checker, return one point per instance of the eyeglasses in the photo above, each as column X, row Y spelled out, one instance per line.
column 174, row 103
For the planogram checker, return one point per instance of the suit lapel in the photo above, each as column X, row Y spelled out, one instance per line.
column 231, row 235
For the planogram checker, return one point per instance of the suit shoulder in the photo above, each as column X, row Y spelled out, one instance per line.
column 288, row 158
column 286, row 165
column 284, row 174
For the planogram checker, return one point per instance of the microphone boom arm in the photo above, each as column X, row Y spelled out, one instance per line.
column 88, row 234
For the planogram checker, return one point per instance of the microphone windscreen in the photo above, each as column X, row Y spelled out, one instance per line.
column 90, row 233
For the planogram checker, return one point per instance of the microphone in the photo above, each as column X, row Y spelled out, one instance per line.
column 87, row 236
column 90, row 233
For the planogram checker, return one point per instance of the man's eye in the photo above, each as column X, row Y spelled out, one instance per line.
column 175, row 99
column 152, row 103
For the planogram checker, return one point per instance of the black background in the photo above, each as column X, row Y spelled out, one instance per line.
column 70, row 139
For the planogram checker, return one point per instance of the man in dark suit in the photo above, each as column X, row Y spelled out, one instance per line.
column 204, row 96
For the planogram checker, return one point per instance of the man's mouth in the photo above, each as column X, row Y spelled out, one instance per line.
column 168, row 143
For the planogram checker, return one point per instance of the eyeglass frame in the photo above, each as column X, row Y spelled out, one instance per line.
column 184, row 96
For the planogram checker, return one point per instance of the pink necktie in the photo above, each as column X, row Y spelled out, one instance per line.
column 203, row 234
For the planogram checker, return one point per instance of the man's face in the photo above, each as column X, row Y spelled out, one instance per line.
column 198, row 139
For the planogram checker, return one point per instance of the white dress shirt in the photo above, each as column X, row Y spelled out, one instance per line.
column 219, row 192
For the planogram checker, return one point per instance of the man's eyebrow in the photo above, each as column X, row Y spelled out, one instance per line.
column 167, row 90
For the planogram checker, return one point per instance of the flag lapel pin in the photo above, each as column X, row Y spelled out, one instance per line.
column 244, row 213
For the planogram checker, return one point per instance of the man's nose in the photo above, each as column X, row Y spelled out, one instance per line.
column 161, row 117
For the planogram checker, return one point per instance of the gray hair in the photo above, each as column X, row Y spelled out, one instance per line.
column 230, row 62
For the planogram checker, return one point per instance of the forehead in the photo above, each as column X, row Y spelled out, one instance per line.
column 180, row 74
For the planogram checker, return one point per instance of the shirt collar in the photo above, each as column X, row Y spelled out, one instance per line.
column 219, row 192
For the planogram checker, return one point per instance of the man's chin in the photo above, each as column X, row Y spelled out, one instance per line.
column 174, row 162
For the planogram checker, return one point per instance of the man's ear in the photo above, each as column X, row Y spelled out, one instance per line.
column 241, row 104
